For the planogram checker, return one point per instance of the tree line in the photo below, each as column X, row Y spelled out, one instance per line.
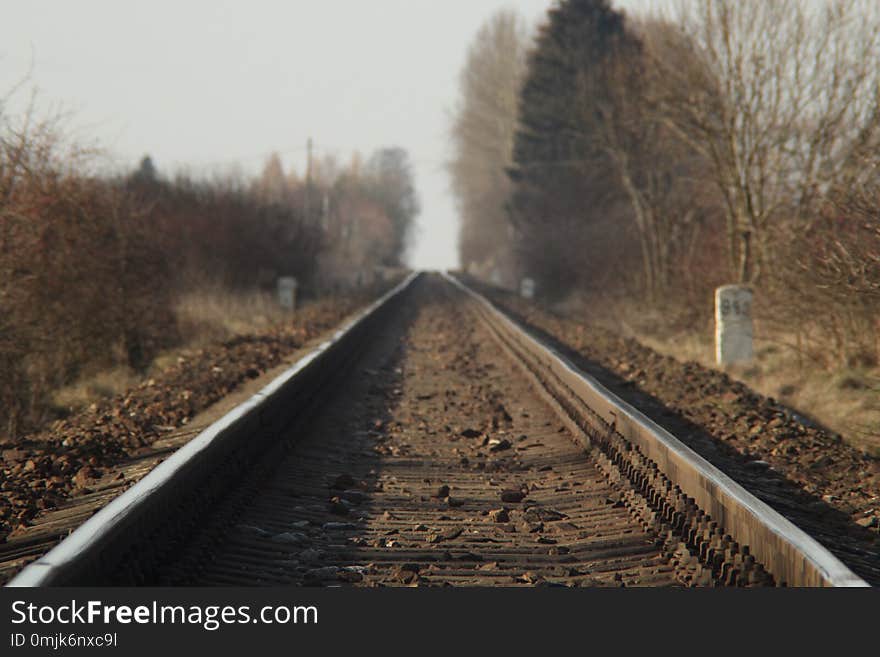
column 91, row 263
column 659, row 156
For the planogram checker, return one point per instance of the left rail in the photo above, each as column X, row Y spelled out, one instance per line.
column 168, row 501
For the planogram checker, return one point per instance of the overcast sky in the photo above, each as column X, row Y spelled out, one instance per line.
column 214, row 84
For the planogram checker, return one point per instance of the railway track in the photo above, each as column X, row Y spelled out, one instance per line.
column 435, row 442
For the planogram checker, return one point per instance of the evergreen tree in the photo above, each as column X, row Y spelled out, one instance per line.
column 561, row 176
column 146, row 173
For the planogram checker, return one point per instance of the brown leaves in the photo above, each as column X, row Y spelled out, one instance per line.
column 110, row 431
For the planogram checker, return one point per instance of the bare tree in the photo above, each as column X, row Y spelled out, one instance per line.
column 391, row 184
column 661, row 177
column 781, row 98
column 272, row 185
column 483, row 131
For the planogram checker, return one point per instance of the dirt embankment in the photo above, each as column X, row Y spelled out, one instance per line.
column 41, row 471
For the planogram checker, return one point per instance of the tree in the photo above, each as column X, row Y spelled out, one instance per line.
column 780, row 98
column 390, row 179
column 661, row 177
column 482, row 132
column 563, row 182
column 359, row 230
column 146, row 172
column 272, row 185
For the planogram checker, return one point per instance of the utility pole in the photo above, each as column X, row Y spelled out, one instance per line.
column 307, row 208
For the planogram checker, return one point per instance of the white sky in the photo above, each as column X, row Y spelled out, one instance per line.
column 214, row 84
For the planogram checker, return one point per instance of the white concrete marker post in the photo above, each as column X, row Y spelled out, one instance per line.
column 287, row 292
column 527, row 288
column 733, row 324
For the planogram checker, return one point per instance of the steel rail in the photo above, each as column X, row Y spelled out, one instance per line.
column 202, row 468
column 793, row 557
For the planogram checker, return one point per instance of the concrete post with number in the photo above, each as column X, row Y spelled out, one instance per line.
column 733, row 324
column 287, row 292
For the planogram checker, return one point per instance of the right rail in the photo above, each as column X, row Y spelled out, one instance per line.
column 715, row 516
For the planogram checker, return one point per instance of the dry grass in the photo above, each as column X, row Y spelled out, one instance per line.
column 203, row 317
column 209, row 314
column 846, row 400
column 89, row 389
